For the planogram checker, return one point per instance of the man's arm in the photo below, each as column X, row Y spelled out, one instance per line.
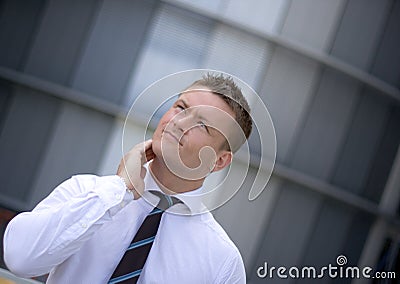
column 37, row 241
column 233, row 271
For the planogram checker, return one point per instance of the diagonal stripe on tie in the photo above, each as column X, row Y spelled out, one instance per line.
column 125, row 277
column 132, row 262
column 141, row 243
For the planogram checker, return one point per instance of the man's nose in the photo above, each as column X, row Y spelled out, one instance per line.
column 183, row 122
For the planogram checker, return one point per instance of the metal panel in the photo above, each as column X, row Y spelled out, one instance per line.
column 384, row 157
column 286, row 91
column 76, row 147
column 18, row 19
column 289, row 230
column 112, row 48
column 60, row 36
column 347, row 233
column 5, row 101
column 224, row 47
column 326, row 126
column 335, row 219
column 313, row 22
column 362, row 143
column 23, row 141
column 176, row 41
column 360, row 30
column 212, row 6
column 386, row 67
column 356, row 236
column 387, row 61
column 265, row 16
column 236, row 222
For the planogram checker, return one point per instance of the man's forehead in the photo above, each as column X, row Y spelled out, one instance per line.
column 210, row 113
column 205, row 97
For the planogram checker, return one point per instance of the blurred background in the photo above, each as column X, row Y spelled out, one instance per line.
column 328, row 71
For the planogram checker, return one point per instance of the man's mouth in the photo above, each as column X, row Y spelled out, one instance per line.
column 173, row 136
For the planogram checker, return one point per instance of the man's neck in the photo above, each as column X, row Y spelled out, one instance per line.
column 169, row 182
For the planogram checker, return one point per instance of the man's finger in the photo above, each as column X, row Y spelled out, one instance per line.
column 149, row 154
column 143, row 172
column 147, row 144
column 148, row 151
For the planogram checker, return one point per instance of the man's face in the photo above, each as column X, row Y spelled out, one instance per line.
column 196, row 121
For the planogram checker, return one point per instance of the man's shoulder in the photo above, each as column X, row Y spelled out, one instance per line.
column 217, row 233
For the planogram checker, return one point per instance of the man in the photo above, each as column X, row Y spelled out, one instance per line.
column 81, row 231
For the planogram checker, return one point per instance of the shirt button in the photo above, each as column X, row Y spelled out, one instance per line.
column 117, row 196
column 122, row 204
column 84, row 225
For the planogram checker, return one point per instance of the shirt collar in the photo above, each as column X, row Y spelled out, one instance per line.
column 192, row 203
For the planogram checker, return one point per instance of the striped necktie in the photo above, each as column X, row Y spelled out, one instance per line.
column 132, row 262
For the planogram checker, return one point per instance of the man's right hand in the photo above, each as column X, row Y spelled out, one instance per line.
column 131, row 168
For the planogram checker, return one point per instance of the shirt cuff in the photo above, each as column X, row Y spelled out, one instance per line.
column 113, row 192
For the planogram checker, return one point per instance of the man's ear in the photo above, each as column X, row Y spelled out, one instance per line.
column 224, row 159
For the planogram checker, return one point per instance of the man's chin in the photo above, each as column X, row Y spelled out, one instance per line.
column 164, row 152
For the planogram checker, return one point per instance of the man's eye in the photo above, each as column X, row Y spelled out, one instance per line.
column 203, row 125
column 180, row 107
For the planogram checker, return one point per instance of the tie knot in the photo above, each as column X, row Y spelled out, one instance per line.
column 166, row 201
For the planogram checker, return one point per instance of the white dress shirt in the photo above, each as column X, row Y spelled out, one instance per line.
column 80, row 231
